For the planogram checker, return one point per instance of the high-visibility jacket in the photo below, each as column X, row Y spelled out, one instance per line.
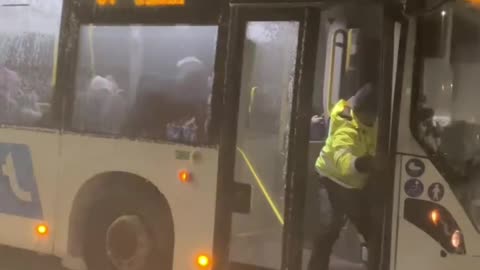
column 348, row 139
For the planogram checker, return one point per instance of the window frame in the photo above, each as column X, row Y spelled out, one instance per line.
column 80, row 13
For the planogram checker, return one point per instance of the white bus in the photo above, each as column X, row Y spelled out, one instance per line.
column 175, row 134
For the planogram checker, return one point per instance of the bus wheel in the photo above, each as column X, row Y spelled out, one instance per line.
column 127, row 234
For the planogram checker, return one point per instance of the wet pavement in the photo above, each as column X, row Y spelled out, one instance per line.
column 14, row 259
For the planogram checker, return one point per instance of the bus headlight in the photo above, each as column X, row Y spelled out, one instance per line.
column 457, row 239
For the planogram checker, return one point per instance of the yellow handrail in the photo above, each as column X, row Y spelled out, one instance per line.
column 91, row 28
column 262, row 187
column 349, row 48
column 55, row 59
column 253, row 91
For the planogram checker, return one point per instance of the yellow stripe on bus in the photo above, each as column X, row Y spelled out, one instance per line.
column 267, row 196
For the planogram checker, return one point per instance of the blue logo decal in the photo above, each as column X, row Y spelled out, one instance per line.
column 18, row 187
column 413, row 188
column 415, row 167
column 436, row 192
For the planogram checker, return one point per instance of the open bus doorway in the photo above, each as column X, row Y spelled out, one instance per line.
column 289, row 66
column 347, row 58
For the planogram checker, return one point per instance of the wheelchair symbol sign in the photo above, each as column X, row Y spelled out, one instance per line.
column 19, row 194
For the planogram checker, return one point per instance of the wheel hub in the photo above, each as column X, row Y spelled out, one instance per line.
column 127, row 243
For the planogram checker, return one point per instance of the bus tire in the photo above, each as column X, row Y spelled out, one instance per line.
column 126, row 232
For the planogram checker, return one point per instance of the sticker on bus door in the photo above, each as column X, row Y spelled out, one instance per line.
column 18, row 187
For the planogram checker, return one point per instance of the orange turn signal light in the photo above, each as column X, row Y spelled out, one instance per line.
column 184, row 176
column 203, row 261
column 435, row 216
column 42, row 229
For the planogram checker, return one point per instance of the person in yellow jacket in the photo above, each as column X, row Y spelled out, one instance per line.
column 344, row 165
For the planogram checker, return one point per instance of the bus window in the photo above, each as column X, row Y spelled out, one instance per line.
column 446, row 117
column 149, row 82
column 28, row 42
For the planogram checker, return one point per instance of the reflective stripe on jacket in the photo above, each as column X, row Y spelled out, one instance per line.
column 347, row 140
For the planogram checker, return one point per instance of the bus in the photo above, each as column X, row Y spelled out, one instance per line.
column 181, row 134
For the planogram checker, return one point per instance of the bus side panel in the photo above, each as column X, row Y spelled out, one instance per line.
column 29, row 170
column 192, row 204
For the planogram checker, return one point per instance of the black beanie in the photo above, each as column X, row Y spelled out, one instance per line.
column 365, row 100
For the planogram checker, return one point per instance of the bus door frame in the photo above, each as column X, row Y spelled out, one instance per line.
column 308, row 18
column 308, row 14
column 389, row 102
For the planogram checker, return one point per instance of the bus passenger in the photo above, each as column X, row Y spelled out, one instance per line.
column 192, row 92
column 29, row 108
column 10, row 90
column 344, row 165
column 104, row 105
column 176, row 110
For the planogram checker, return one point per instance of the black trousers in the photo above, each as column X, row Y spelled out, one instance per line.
column 355, row 205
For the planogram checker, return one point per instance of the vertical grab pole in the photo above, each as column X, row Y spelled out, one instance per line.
column 332, row 66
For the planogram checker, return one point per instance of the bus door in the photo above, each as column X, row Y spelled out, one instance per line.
column 266, row 50
column 282, row 62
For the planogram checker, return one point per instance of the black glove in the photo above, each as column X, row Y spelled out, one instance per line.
column 364, row 164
